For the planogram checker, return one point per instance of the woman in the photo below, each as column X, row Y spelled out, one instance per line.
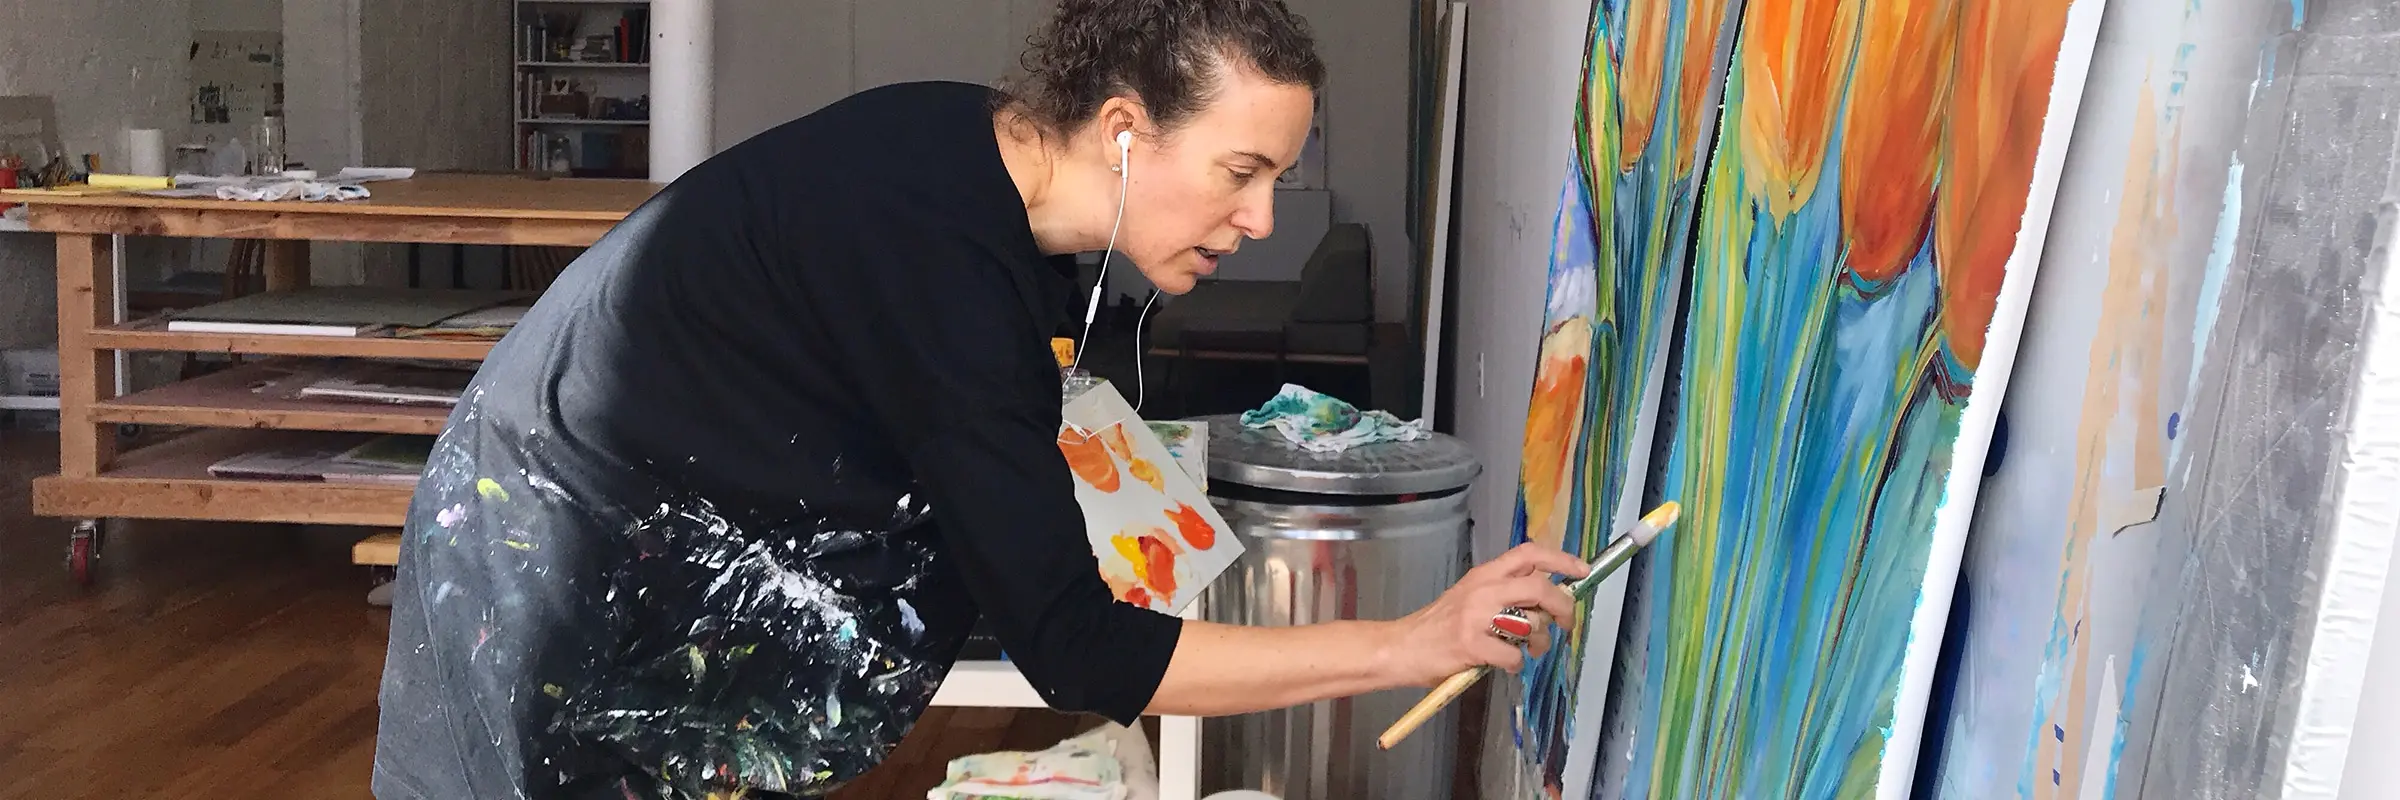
column 717, row 516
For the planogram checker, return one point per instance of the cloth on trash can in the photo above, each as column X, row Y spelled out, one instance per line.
column 1320, row 423
column 1111, row 762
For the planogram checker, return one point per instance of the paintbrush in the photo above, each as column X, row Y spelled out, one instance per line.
column 1632, row 539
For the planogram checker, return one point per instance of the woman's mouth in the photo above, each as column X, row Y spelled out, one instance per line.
column 1208, row 258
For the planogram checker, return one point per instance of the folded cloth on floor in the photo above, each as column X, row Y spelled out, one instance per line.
column 1320, row 423
column 1086, row 767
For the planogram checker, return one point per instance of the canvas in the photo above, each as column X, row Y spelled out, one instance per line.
column 2061, row 560
column 1621, row 238
column 1872, row 212
column 1159, row 541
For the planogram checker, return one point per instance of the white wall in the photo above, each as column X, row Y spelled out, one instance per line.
column 1522, row 61
column 109, row 65
column 780, row 59
column 237, row 15
column 1517, row 97
column 404, row 83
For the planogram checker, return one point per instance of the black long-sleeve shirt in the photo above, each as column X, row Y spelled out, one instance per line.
column 722, row 508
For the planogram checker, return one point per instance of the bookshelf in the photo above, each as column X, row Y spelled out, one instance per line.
column 582, row 87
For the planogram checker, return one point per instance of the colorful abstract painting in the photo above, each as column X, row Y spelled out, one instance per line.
column 1877, row 192
column 1159, row 541
column 1646, row 101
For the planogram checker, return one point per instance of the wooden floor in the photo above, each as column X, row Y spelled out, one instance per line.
column 240, row 661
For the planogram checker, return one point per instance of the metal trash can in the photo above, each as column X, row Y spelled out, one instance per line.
column 1374, row 532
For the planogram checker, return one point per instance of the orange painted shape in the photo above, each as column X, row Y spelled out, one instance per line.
column 1194, row 527
column 1638, row 88
column 1890, row 140
column 1795, row 55
column 1089, row 460
column 1552, row 423
column 2007, row 55
column 1703, row 19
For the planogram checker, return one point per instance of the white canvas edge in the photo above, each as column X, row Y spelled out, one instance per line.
column 1608, row 602
column 2367, row 515
column 1898, row 767
column 1454, row 63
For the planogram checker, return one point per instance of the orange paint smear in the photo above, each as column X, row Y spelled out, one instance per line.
column 1089, row 459
column 1890, row 146
column 1638, row 89
column 1552, row 422
column 1193, row 526
column 2007, row 56
column 1794, row 57
column 1701, row 22
column 1152, row 557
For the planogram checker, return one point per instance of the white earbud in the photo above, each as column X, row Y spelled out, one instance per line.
column 1124, row 150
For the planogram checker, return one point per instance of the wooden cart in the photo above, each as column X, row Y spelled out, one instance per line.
column 170, row 480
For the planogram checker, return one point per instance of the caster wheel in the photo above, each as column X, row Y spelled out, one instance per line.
column 83, row 548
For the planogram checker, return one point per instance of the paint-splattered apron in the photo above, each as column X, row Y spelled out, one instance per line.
column 651, row 646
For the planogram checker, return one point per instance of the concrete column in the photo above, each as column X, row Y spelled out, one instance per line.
column 682, row 82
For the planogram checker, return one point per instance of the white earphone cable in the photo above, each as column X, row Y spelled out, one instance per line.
column 1091, row 310
column 1141, row 385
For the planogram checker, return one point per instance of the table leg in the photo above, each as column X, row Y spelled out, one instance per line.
column 1178, row 758
column 86, row 375
column 287, row 264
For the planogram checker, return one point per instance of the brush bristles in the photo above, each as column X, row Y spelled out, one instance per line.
column 1656, row 522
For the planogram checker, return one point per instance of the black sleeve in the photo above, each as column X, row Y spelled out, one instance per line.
column 947, row 355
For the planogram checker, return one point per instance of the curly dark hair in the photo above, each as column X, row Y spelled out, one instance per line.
column 1168, row 53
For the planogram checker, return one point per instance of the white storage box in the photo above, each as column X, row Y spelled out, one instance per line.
column 29, row 371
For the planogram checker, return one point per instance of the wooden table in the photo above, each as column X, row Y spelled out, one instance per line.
column 170, row 479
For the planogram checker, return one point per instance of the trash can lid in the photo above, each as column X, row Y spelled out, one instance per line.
column 1262, row 458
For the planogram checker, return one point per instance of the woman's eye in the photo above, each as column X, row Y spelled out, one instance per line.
column 1240, row 177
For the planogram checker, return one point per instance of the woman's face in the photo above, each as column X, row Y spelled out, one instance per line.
column 1198, row 191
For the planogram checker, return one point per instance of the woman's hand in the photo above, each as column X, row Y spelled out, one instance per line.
column 1454, row 632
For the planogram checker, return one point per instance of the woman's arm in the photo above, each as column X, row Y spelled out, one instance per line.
column 1223, row 669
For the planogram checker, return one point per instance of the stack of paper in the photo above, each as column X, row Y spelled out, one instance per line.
column 336, row 310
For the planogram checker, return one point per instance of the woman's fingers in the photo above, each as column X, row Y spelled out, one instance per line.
column 1530, row 558
column 1498, row 654
column 1534, row 592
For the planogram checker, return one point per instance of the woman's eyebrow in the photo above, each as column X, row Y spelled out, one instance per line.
column 1263, row 161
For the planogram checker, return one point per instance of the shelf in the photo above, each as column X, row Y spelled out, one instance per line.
column 153, row 335
column 170, row 480
column 564, row 121
column 227, row 399
column 586, row 64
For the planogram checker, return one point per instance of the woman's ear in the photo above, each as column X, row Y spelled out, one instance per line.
column 1120, row 117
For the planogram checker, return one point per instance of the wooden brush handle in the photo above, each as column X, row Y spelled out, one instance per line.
column 1426, row 708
